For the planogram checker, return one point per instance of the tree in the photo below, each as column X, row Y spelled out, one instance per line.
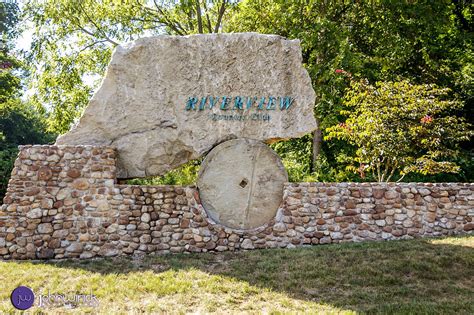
column 74, row 40
column 399, row 128
column 19, row 122
column 321, row 28
column 427, row 42
column 9, row 81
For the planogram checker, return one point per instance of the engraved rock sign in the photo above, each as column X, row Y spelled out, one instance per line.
column 167, row 100
column 241, row 183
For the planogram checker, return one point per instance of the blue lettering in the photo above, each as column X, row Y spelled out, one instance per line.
column 250, row 101
column 203, row 103
column 286, row 102
column 238, row 103
column 271, row 103
column 212, row 101
column 261, row 103
column 190, row 103
column 224, row 103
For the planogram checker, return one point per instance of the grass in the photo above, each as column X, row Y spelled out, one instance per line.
column 423, row 276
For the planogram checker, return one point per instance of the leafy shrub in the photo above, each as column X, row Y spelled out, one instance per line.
column 400, row 128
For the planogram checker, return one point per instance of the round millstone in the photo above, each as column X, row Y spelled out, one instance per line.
column 241, row 183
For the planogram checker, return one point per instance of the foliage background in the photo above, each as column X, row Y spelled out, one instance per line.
column 20, row 122
column 425, row 42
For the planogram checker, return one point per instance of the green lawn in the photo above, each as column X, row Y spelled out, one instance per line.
column 417, row 276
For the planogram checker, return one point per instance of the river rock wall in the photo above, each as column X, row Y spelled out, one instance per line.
column 64, row 202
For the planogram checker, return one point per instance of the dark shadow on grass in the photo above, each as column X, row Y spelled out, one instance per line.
column 413, row 276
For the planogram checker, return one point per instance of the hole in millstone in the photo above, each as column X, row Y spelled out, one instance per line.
column 243, row 183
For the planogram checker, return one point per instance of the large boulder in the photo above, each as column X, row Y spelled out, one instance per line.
column 166, row 100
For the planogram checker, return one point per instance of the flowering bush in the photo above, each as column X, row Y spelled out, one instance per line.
column 426, row 119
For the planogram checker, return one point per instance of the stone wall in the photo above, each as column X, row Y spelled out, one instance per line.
column 63, row 201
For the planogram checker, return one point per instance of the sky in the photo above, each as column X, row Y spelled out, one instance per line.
column 24, row 40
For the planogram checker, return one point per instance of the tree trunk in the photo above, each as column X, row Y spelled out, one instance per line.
column 317, row 138
column 219, row 17
column 199, row 17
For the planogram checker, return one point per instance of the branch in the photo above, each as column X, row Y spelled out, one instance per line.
column 156, row 21
column 385, row 171
column 400, row 179
column 209, row 27
column 378, row 170
column 458, row 12
column 98, row 28
column 93, row 35
column 175, row 26
column 94, row 43
column 393, row 171
column 190, row 19
column 219, row 18
column 199, row 17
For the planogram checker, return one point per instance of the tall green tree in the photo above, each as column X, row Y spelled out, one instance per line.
column 73, row 42
column 425, row 41
column 9, row 64
column 19, row 122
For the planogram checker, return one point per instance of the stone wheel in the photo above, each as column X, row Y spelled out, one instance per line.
column 241, row 183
